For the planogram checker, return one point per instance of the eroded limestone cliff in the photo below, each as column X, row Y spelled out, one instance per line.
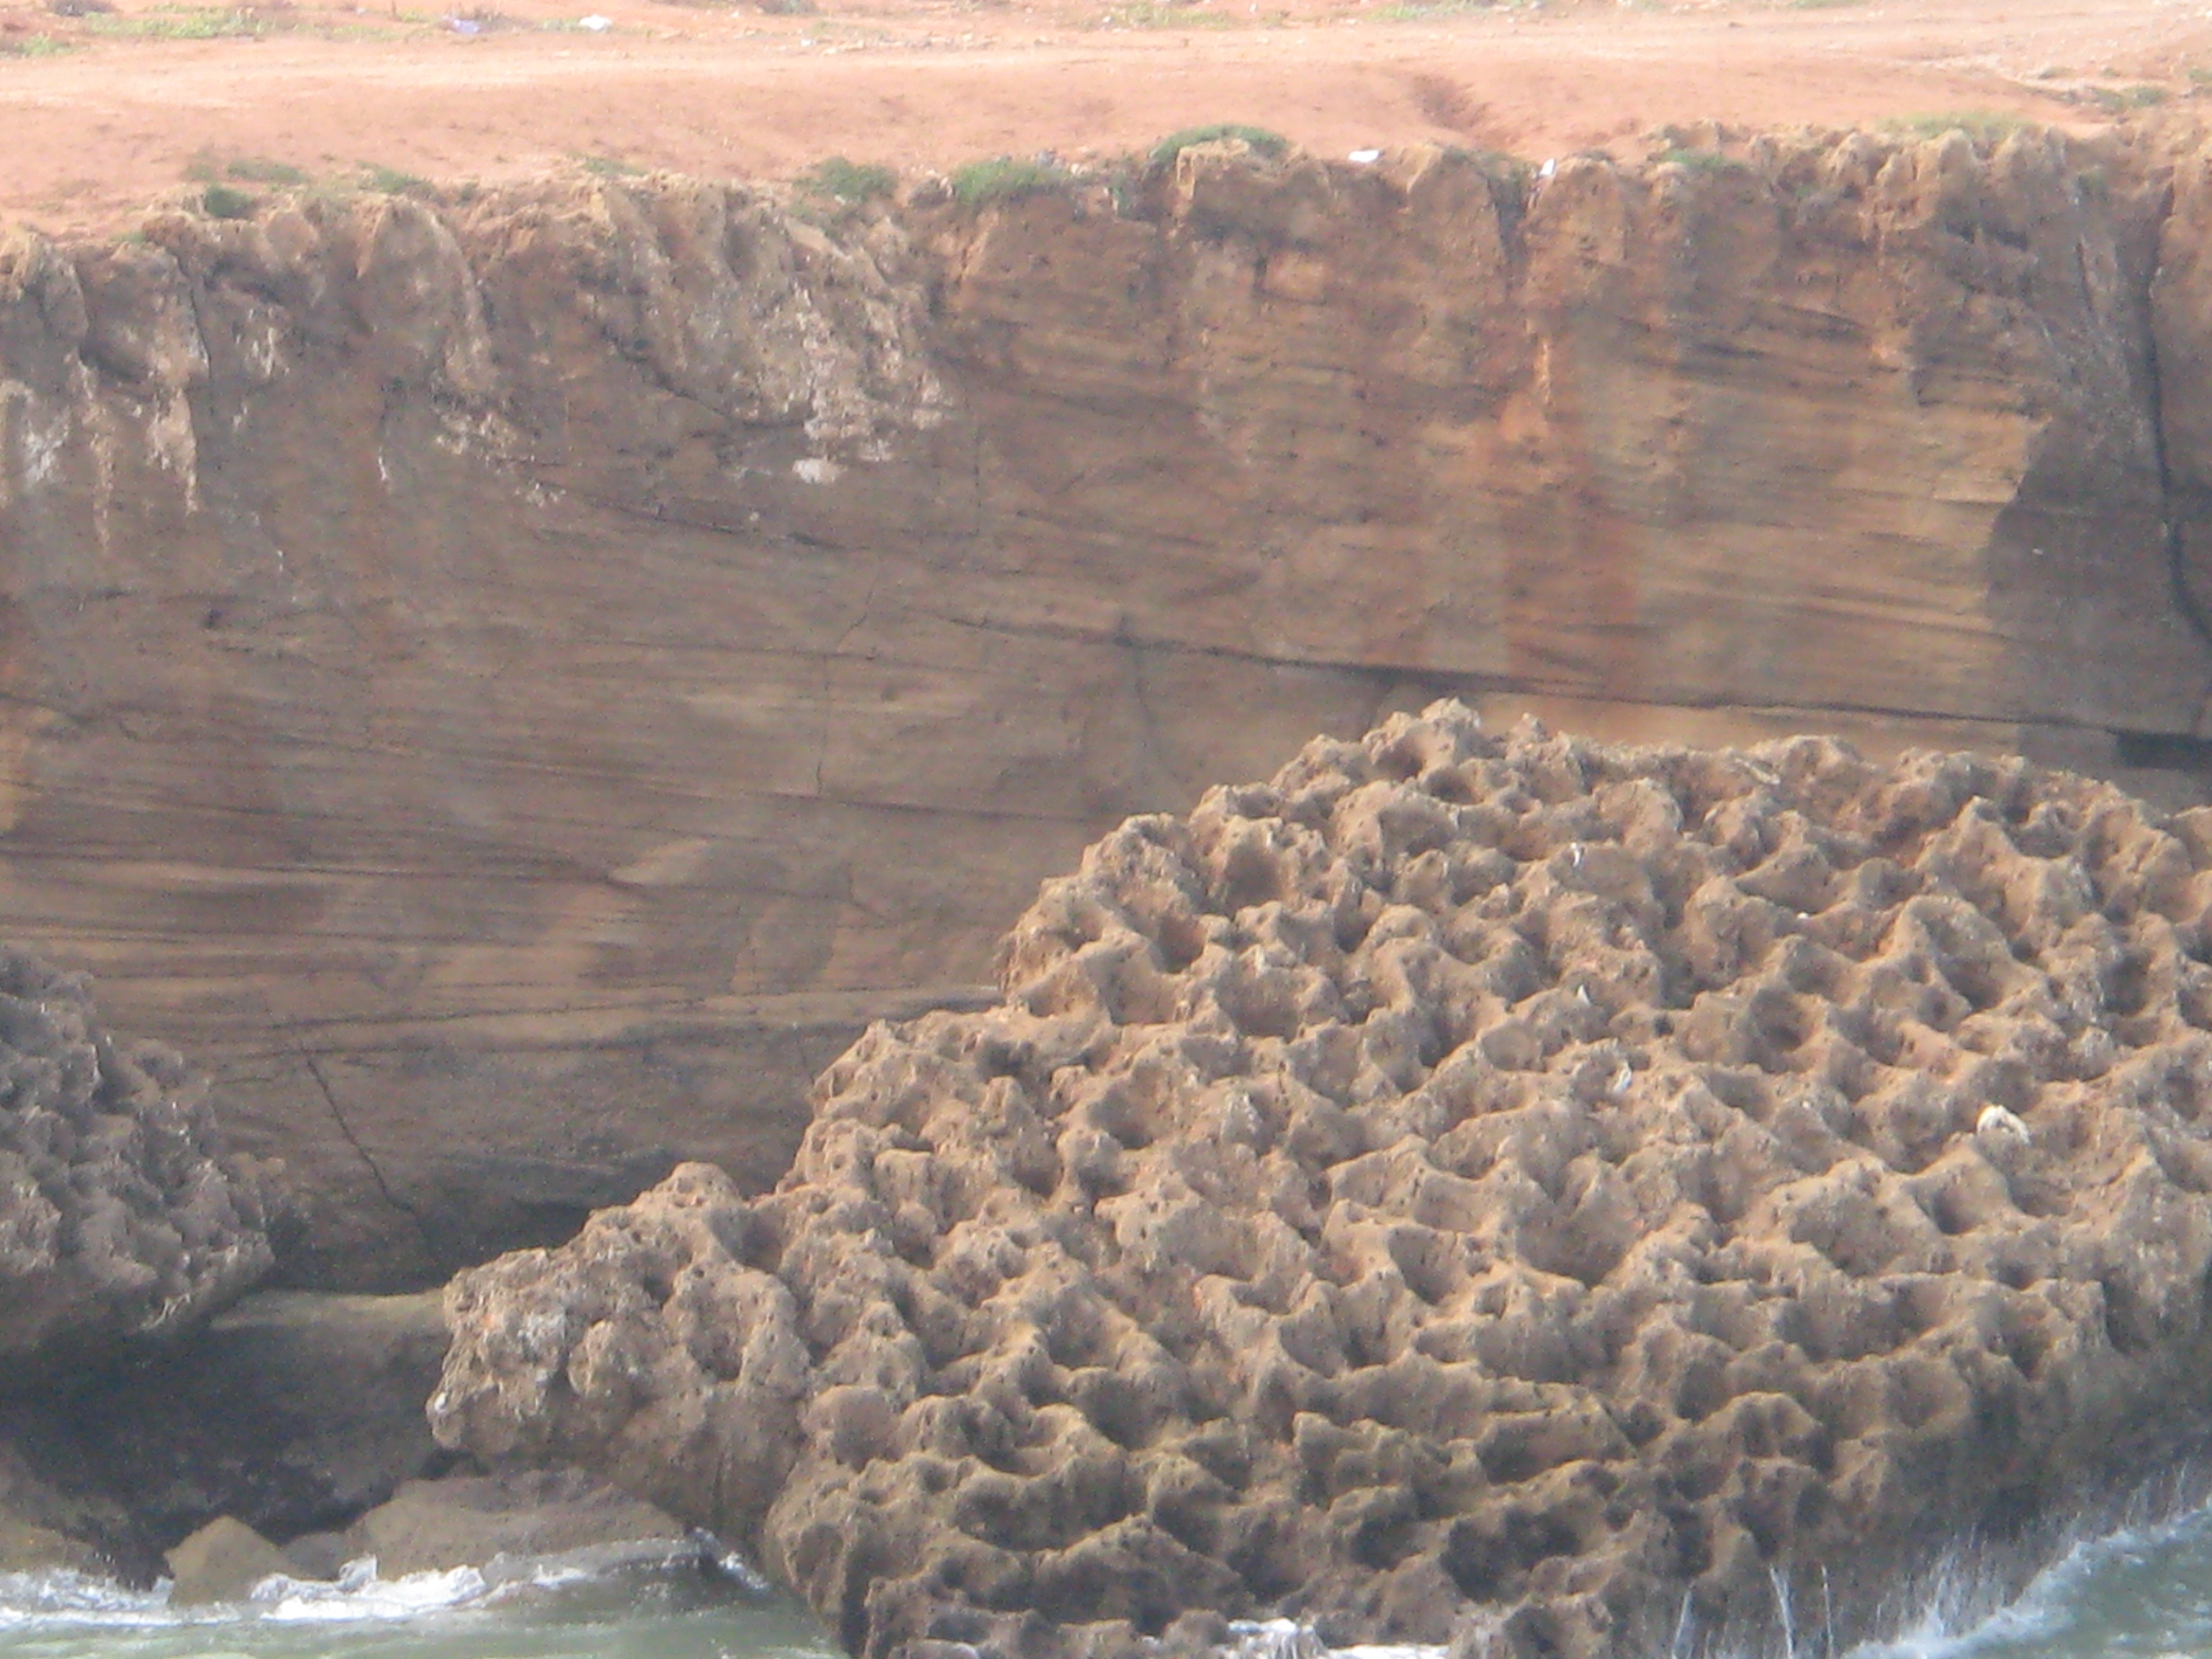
column 515, row 680
column 1557, row 1198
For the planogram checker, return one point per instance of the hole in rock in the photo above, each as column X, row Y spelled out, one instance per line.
column 1251, row 877
column 1180, row 938
column 2164, row 751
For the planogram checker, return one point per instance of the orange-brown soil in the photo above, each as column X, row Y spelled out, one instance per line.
column 101, row 112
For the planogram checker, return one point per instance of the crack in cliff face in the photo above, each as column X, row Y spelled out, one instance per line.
column 828, row 671
column 424, row 1231
column 2172, row 525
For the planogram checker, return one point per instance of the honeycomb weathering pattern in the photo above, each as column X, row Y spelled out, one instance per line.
column 121, row 1218
column 1466, row 1186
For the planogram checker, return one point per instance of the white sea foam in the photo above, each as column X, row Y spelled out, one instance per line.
column 61, row 1599
column 626, row 1603
column 359, row 1594
column 1287, row 1638
column 2144, row 1588
column 64, row 1596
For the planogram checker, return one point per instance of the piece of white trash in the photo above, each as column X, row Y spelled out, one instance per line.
column 1366, row 158
column 595, row 23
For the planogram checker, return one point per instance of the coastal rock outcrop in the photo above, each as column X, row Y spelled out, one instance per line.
column 1524, row 1191
column 515, row 679
column 121, row 1217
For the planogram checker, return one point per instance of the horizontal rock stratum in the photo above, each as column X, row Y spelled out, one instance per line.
column 513, row 681
column 1526, row 1191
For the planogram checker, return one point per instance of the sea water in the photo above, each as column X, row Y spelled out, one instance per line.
column 2140, row 1591
column 681, row 1613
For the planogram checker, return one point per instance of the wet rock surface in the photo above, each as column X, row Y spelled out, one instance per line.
column 292, row 1410
column 288, row 1412
column 1523, row 1191
column 43, row 1526
column 530, row 1516
column 221, row 1561
column 121, row 1217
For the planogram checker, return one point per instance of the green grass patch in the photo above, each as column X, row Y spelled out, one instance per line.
column 390, row 181
column 607, row 166
column 227, row 201
column 1002, row 178
column 184, row 23
column 256, row 170
column 2121, row 101
column 1165, row 14
column 36, row 46
column 1270, row 144
column 1983, row 126
column 1424, row 11
column 1698, row 160
column 849, row 181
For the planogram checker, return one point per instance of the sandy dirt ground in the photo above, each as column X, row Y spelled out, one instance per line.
column 107, row 105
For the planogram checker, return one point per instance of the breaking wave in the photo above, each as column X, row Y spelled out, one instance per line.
column 509, row 1610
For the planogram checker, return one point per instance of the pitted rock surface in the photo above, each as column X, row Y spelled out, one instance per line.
column 120, row 1215
column 1465, row 1185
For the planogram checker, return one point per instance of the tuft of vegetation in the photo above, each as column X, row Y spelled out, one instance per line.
column 35, row 45
column 227, row 201
column 189, row 23
column 1422, row 11
column 607, row 166
column 1698, row 160
column 1983, row 126
column 2121, row 101
column 1165, row 14
column 1004, row 178
column 849, row 181
column 390, row 181
column 1267, row 143
column 255, row 170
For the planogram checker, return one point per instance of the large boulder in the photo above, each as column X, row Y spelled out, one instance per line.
column 529, row 1517
column 1549, row 1195
column 120, row 1215
column 221, row 1561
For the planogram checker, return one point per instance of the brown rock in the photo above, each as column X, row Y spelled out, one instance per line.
column 288, row 1411
column 470, row 1521
column 1520, row 1181
column 47, row 1521
column 121, row 1218
column 26, row 1546
column 223, row 1562
column 519, row 684
column 318, row 1555
column 292, row 1410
